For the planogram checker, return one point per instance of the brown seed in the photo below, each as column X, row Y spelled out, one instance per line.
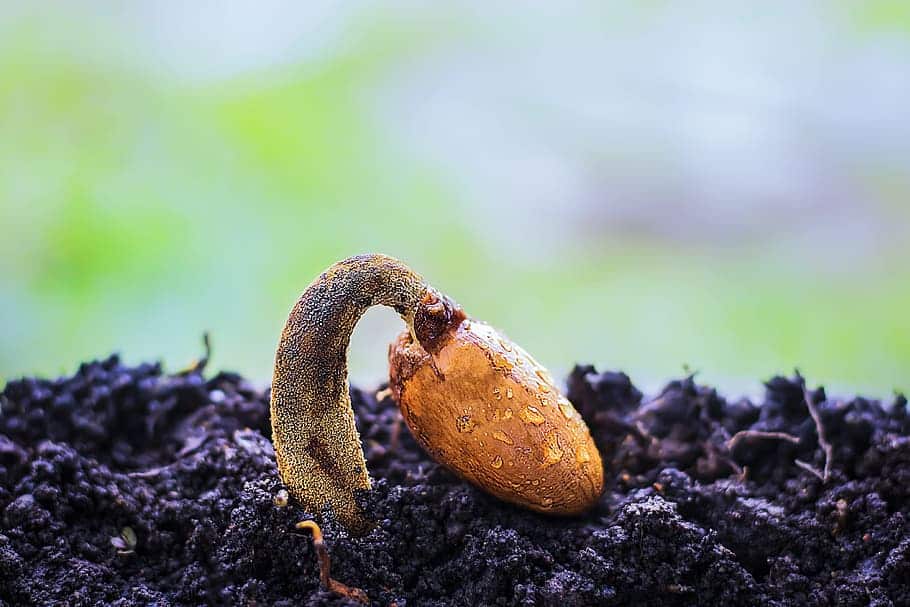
column 477, row 365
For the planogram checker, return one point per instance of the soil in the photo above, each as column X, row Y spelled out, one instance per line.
column 123, row 485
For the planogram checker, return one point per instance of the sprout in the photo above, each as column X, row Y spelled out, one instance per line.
column 475, row 401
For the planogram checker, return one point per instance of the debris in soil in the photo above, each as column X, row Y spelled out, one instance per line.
column 126, row 486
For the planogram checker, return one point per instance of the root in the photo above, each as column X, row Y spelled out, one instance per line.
column 811, row 469
column 827, row 448
column 325, row 565
column 823, row 442
column 746, row 434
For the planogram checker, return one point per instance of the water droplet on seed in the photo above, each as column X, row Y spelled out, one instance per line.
column 582, row 456
column 503, row 437
column 501, row 362
column 532, row 415
column 566, row 408
column 497, row 462
column 497, row 393
column 551, row 450
column 544, row 376
column 508, row 392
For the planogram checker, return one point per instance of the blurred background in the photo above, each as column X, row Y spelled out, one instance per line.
column 649, row 187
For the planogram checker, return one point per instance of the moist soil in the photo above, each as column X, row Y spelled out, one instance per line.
column 124, row 485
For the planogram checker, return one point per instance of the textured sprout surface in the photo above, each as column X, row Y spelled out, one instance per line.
column 186, row 463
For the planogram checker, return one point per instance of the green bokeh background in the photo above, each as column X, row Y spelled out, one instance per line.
column 141, row 208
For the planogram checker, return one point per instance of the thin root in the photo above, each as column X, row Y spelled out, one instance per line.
column 810, row 468
column 826, row 446
column 325, row 565
column 744, row 434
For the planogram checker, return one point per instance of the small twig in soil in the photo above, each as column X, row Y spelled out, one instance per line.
column 198, row 366
column 150, row 473
column 723, row 455
column 727, row 459
column 822, row 435
column 193, row 444
column 810, row 468
column 325, row 565
column 745, row 434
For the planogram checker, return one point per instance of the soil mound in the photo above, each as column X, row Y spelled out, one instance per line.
column 124, row 485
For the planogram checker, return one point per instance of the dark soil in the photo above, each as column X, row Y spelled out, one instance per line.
column 185, row 462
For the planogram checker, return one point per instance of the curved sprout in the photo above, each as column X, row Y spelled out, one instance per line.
column 316, row 442
column 449, row 375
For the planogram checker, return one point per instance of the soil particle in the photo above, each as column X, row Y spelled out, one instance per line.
column 124, row 485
